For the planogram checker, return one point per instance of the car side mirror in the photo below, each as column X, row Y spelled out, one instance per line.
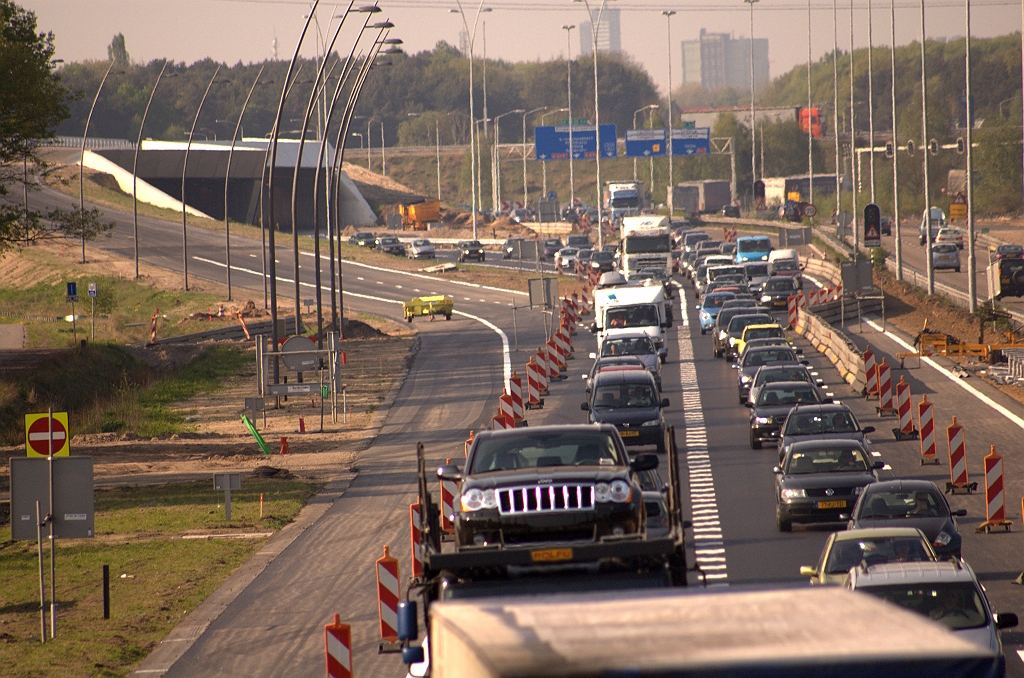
column 776, row 470
column 960, row 513
column 1006, row 620
column 449, row 472
column 748, row 404
column 644, row 462
column 664, row 402
column 593, row 328
column 585, row 407
column 808, row 571
column 868, row 429
column 878, row 466
column 697, row 307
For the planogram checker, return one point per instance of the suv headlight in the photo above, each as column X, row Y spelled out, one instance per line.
column 745, row 379
column 475, row 500
column 721, row 335
column 793, row 494
column 762, row 420
column 766, row 297
column 652, row 422
column 618, row 491
column 942, row 539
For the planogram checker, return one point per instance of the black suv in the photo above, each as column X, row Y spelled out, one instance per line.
column 363, row 239
column 548, row 484
column 511, row 246
column 390, row 245
column 471, row 249
column 551, row 247
column 630, row 400
column 773, row 405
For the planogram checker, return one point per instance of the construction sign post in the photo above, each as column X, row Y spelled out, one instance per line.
column 872, row 226
column 43, row 433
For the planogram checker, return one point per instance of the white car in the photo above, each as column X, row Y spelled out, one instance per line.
column 421, row 248
column 950, row 236
column 566, row 257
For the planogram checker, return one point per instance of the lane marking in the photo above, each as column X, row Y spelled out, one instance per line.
column 506, row 358
column 706, row 530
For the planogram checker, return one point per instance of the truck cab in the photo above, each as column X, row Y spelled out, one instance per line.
column 646, row 243
column 623, row 198
column 629, row 308
column 753, row 248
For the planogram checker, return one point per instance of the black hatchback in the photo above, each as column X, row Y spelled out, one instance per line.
column 911, row 503
column 773, row 406
column 629, row 400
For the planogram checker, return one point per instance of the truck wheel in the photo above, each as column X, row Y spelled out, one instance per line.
column 957, row 269
column 755, row 443
column 447, row 316
column 784, row 525
column 408, row 318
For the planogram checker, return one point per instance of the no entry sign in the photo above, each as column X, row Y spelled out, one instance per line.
column 38, row 428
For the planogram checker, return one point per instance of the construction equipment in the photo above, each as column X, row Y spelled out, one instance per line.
column 431, row 306
column 417, row 216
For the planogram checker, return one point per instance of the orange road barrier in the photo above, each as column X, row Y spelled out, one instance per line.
column 388, row 595
column 152, row 328
column 885, row 407
column 791, row 310
column 926, row 422
column 284, row 445
column 416, row 539
column 533, row 389
column 906, row 430
column 338, row 646
column 995, row 503
column 515, row 389
column 958, row 478
column 241, row 321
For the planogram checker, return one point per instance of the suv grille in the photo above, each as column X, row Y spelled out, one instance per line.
column 544, row 498
column 836, row 492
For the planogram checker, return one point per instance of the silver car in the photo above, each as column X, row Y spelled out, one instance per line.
column 945, row 255
column 421, row 248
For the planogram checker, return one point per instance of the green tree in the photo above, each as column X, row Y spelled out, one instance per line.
column 118, row 52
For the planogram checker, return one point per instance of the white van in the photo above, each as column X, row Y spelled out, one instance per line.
column 628, row 309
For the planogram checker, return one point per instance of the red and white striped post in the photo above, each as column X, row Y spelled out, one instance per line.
column 541, row 370
column 515, row 389
column 533, row 399
column 556, row 356
column 870, row 372
column 885, row 407
column 338, row 646
column 926, row 422
column 152, row 328
column 416, row 539
column 388, row 595
column 506, row 408
column 995, row 503
column 551, row 358
column 449, row 489
column 801, row 299
column 958, row 478
column 791, row 310
column 839, row 291
column 906, row 430
column 500, row 423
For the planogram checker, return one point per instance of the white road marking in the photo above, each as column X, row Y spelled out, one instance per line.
column 359, row 277
column 706, row 530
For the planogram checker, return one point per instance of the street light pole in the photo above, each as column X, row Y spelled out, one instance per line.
column 853, row 147
column 526, row 193
column 568, row 67
column 472, row 115
column 184, row 171
column 497, row 155
column 924, row 152
column 670, row 194
column 595, row 26
column 835, row 104
column 972, row 283
column 753, row 136
column 369, row 139
column 810, row 127
column 544, row 163
column 640, row 110
column 227, row 177
column 81, row 173
column 895, row 149
column 135, row 164
column 383, row 158
column 871, row 101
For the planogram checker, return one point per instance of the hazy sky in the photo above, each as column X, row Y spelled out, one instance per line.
column 516, row 30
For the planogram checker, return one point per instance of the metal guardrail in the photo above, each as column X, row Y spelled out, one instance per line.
column 92, row 143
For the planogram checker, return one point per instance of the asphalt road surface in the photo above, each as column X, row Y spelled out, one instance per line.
column 274, row 627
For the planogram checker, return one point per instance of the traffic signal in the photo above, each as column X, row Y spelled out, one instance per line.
column 960, row 145
column 910, row 146
column 889, row 150
column 933, row 147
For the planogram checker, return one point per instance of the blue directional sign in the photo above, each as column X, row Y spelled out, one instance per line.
column 691, row 141
column 646, row 143
column 552, row 142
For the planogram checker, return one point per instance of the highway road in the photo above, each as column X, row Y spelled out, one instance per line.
column 274, row 626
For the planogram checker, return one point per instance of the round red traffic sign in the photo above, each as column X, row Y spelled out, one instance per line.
column 39, row 435
column 810, row 210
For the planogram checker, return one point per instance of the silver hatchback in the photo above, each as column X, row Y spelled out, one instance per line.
column 945, row 256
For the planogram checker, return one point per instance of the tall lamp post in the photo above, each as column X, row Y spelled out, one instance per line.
column 526, row 193
column 853, row 147
column 670, row 197
column 184, row 170
column 369, row 139
column 81, row 173
column 472, row 115
column 810, row 127
column 753, row 140
column 640, row 110
column 895, row 150
column 972, row 283
column 227, row 176
column 437, row 149
column 835, row 104
column 544, row 163
column 496, row 154
column 135, row 164
column 871, row 100
column 924, row 152
column 595, row 26
column 568, row 69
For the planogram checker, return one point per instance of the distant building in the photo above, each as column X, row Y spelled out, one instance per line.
column 717, row 60
column 609, row 35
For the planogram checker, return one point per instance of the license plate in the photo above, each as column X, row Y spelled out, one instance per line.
column 840, row 503
column 551, row 555
column 629, row 434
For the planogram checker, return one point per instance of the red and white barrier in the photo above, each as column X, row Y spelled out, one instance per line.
column 449, row 488
column 388, row 595
column 515, row 389
column 416, row 539
column 958, row 478
column 801, row 299
column 926, row 422
column 498, row 423
column 870, row 372
column 791, row 310
column 586, row 300
column 885, row 389
column 995, row 502
column 551, row 359
column 561, row 344
column 338, row 646
column 838, row 291
column 506, row 409
column 533, row 400
column 903, row 409
column 152, row 328
column 540, row 369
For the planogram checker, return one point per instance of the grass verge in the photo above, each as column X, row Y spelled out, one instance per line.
column 139, row 534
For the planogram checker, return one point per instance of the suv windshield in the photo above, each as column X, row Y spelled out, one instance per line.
column 763, row 333
column 819, row 423
column 625, row 395
column 787, row 395
column 758, row 358
column 644, row 315
column 955, row 605
column 754, row 245
column 737, row 323
column 627, row 346
column 756, row 270
column 786, row 285
column 786, row 265
column 852, row 552
column 545, row 449
column 918, row 504
column 767, row 376
column 832, row 460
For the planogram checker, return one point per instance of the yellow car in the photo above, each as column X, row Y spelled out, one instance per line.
column 873, row 545
column 764, row 331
